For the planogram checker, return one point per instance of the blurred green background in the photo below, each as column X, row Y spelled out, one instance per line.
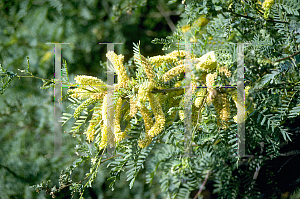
column 26, row 111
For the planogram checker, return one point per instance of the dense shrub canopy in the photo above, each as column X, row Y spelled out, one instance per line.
column 180, row 141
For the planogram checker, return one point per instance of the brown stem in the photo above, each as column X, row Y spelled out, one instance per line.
column 167, row 90
column 202, row 186
column 182, row 88
column 245, row 16
column 288, row 56
column 167, row 17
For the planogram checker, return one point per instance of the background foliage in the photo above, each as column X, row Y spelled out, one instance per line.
column 271, row 72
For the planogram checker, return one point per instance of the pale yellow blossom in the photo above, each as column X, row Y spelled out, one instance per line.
column 143, row 91
column 200, row 97
column 177, row 53
column 158, row 60
column 83, row 106
column 119, row 135
column 186, row 28
column 267, row 4
column 148, row 68
column 207, row 61
column 146, row 117
column 225, row 70
column 145, row 142
column 159, row 116
column 103, row 141
column 173, row 72
column 133, row 107
column 117, row 61
column 88, row 86
column 90, row 132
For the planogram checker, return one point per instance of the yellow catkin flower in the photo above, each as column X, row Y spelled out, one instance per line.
column 98, row 96
column 177, row 53
column 90, row 87
column 200, row 22
column 173, row 72
column 117, row 61
column 89, row 80
column 103, row 141
column 90, row 132
column 193, row 85
column 104, row 108
column 79, row 93
column 145, row 142
column 119, row 135
column 210, row 81
column 83, row 106
column 267, row 7
column 207, row 61
column 218, row 104
column 200, row 97
column 186, row 28
column 159, row 116
column 181, row 115
column 225, row 112
column 146, row 117
column 225, row 70
column 158, row 60
column 178, row 84
column 133, row 107
column 148, row 68
column 267, row 4
column 143, row 91
column 241, row 105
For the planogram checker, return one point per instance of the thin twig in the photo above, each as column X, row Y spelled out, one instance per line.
column 202, row 186
column 110, row 158
column 245, row 16
column 167, row 17
column 288, row 57
column 182, row 88
column 167, row 90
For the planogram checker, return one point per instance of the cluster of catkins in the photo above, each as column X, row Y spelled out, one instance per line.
column 94, row 91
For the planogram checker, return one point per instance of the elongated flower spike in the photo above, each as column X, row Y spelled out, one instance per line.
column 145, row 142
column 117, row 61
column 158, row 60
column 200, row 95
column 119, row 135
column 207, row 61
column 225, row 70
column 89, row 87
column 103, row 141
column 148, row 68
column 210, row 80
column 173, row 72
column 133, row 107
column 91, row 132
column 83, row 106
column 159, row 116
